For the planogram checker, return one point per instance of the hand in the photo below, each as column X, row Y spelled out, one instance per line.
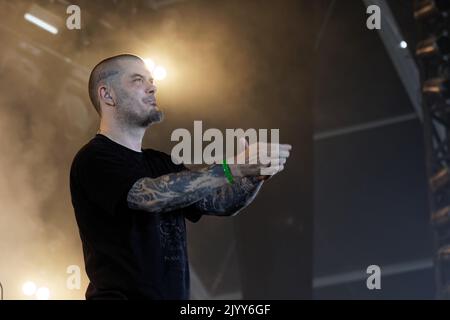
column 284, row 153
column 248, row 162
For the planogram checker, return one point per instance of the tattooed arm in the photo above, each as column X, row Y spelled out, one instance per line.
column 175, row 190
column 230, row 199
column 207, row 186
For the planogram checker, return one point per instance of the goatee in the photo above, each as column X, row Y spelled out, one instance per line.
column 155, row 116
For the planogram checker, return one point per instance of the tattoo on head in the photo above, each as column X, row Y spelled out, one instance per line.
column 105, row 76
column 106, row 71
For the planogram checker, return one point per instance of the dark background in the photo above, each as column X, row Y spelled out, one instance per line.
column 370, row 185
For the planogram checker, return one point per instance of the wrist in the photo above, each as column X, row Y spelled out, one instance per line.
column 234, row 169
column 229, row 174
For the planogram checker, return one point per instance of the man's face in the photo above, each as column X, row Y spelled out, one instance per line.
column 135, row 95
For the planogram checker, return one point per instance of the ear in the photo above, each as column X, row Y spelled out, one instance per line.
column 106, row 95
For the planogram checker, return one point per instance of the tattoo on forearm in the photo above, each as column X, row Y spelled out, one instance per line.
column 175, row 190
column 230, row 199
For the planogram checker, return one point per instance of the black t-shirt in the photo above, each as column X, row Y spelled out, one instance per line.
column 128, row 254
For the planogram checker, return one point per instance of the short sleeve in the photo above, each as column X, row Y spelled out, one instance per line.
column 106, row 179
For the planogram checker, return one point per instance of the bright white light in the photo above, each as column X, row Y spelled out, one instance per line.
column 29, row 288
column 150, row 64
column 43, row 293
column 159, row 73
column 403, row 45
column 40, row 23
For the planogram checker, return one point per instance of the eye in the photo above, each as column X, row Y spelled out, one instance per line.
column 138, row 80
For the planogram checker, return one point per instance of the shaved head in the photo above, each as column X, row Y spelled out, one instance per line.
column 123, row 92
column 106, row 72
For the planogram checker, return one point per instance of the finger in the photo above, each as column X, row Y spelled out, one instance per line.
column 272, row 170
column 278, row 169
column 284, row 154
column 273, row 161
column 244, row 143
column 269, row 162
column 276, row 158
column 280, row 152
column 253, row 159
column 285, row 147
column 279, row 146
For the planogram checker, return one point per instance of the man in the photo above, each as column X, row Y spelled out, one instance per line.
column 130, row 203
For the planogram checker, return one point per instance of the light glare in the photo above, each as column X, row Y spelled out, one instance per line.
column 43, row 293
column 150, row 64
column 160, row 73
column 40, row 23
column 29, row 288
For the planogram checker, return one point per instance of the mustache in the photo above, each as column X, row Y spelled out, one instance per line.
column 149, row 100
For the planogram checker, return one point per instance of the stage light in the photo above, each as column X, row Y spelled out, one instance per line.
column 150, row 64
column 43, row 293
column 439, row 179
column 436, row 86
column 427, row 8
column 40, row 23
column 441, row 216
column 29, row 288
column 403, row 45
column 159, row 73
column 444, row 253
column 434, row 46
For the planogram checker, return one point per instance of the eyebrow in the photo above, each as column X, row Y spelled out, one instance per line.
column 136, row 75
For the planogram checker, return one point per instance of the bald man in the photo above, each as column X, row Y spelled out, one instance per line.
column 131, row 203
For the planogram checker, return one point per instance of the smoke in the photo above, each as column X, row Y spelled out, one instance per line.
column 222, row 69
column 23, row 190
column 35, row 216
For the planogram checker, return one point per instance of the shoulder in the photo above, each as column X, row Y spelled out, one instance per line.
column 83, row 154
column 93, row 150
column 90, row 148
column 152, row 153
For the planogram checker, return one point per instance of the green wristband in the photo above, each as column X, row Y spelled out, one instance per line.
column 227, row 171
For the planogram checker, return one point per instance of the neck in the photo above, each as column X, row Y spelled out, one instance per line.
column 128, row 137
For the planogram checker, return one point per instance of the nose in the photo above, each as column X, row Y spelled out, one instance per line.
column 151, row 88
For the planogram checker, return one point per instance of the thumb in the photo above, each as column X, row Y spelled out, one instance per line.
column 244, row 143
column 242, row 155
